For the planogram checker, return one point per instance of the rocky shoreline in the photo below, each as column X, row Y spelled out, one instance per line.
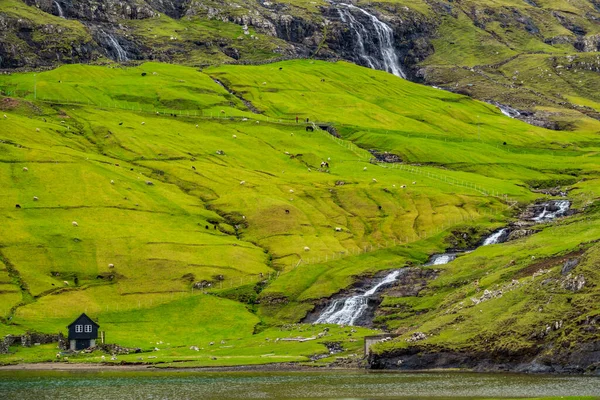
column 584, row 359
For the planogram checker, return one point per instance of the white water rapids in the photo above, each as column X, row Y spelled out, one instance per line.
column 347, row 311
column 560, row 208
column 378, row 34
column 494, row 238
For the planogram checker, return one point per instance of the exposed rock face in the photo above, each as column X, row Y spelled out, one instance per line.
column 578, row 359
column 100, row 10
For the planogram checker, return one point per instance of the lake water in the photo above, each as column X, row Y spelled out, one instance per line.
column 286, row 385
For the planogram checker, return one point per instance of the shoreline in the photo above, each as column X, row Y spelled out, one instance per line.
column 51, row 366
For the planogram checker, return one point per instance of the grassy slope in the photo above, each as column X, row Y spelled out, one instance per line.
column 156, row 236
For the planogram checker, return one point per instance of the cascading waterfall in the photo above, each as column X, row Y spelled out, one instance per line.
column 59, row 8
column 553, row 210
column 441, row 259
column 380, row 35
column 119, row 52
column 347, row 311
column 494, row 238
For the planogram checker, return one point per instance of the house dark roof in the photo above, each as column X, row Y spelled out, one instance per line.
column 83, row 318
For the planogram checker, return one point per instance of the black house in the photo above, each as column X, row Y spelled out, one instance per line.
column 83, row 333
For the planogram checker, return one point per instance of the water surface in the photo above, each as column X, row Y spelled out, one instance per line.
column 286, row 385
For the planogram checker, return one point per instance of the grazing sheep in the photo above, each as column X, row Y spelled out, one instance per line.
column 111, row 265
column 235, row 136
column 211, row 343
column 5, row 116
column 112, row 182
column 242, row 182
column 264, row 83
column 415, row 182
column 306, row 248
column 113, row 358
column 17, row 206
column 75, row 223
column 374, row 180
column 338, row 229
column 25, row 169
column 149, row 183
column 222, row 111
column 194, row 168
column 143, row 123
column 35, row 198
column 37, row 129
column 287, row 211
column 66, row 283
column 103, row 358
column 57, row 355
column 309, row 170
column 196, row 125
column 291, row 190
column 258, row 122
column 403, row 186
column 365, row 168
column 244, row 119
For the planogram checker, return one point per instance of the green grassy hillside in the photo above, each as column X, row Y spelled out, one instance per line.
column 154, row 200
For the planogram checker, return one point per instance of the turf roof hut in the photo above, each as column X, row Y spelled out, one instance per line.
column 83, row 333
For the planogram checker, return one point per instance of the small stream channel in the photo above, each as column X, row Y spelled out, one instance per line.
column 351, row 310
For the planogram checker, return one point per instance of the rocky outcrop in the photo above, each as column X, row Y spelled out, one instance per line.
column 581, row 358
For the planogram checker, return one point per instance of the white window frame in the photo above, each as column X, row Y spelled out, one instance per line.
column 78, row 328
column 88, row 329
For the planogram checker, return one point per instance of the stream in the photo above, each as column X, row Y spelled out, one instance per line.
column 349, row 310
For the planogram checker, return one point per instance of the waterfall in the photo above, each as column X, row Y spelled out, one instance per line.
column 495, row 238
column 380, row 36
column 118, row 51
column 59, row 8
column 347, row 311
column 553, row 209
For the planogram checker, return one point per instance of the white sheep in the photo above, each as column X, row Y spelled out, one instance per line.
column 338, row 229
column 5, row 116
column 66, row 283
column 365, row 168
column 306, row 248
column 35, row 198
column 37, row 129
column 403, row 186
column 258, row 122
column 112, row 182
column 103, row 358
column 244, row 119
column 291, row 190
column 75, row 223
column 235, row 136
column 415, row 182
column 25, row 169
column 196, row 125
column 374, row 180
column 143, row 123
column 111, row 265
column 242, row 182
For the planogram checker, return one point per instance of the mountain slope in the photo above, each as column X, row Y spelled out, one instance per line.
column 193, row 212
